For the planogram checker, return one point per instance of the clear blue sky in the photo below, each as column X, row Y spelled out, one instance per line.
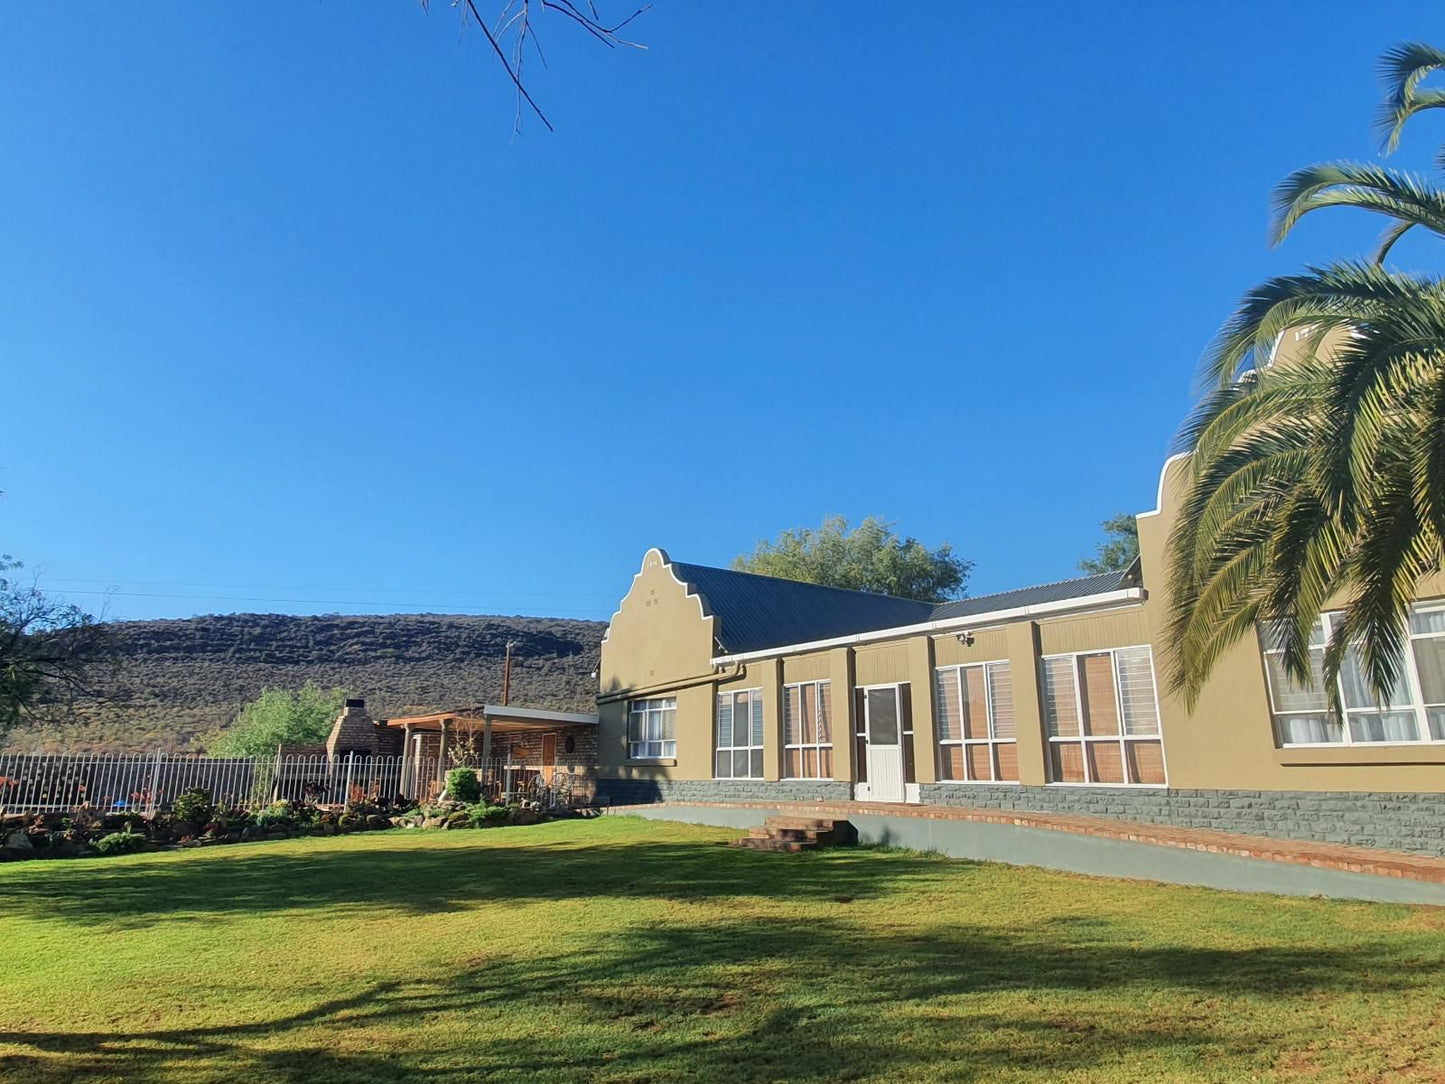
column 289, row 321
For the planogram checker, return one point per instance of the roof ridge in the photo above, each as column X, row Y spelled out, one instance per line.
column 808, row 583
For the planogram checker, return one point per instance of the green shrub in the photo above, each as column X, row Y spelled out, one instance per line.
column 194, row 807
column 280, row 815
column 482, row 814
column 126, row 842
column 463, row 785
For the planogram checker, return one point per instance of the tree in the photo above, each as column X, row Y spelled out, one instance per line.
column 513, row 32
column 870, row 557
column 1324, row 476
column 1119, row 550
column 279, row 716
column 49, row 651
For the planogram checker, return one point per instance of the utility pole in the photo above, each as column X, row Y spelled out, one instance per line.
column 507, row 676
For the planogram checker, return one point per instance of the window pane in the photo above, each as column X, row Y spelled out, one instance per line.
column 1001, row 691
column 755, row 764
column 1146, row 761
column 793, row 763
column 883, row 716
column 1007, row 754
column 945, row 689
column 1096, row 680
column 740, row 763
column 808, row 704
column 1066, row 762
column 825, row 763
column 950, row 762
column 810, row 764
column 1285, row 695
column 1436, row 717
column 1106, row 762
column 1356, row 684
column 634, row 726
column 1310, row 729
column 1061, row 713
column 1377, row 726
column 724, row 721
column 723, row 765
column 825, row 714
column 669, row 722
column 980, row 763
column 792, row 695
column 1135, row 667
column 1427, row 621
column 1430, row 662
column 975, row 702
column 757, row 703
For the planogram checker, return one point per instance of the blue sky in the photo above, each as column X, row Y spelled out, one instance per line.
column 291, row 322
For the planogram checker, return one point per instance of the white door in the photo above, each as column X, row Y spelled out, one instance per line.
column 884, row 731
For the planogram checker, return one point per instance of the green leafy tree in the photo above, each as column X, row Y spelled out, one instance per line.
column 280, row 716
column 1322, row 476
column 50, row 651
column 1118, row 550
column 869, row 557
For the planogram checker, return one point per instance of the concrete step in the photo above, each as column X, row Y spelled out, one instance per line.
column 762, row 843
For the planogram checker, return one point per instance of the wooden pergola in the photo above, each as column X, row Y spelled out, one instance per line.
column 488, row 719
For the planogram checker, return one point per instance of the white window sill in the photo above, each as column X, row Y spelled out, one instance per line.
column 664, row 762
column 1113, row 786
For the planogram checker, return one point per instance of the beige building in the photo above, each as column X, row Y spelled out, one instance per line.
column 720, row 686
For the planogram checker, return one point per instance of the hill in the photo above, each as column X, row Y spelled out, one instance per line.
column 178, row 682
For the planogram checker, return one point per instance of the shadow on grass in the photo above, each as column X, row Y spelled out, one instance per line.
column 808, row 1000
column 394, row 872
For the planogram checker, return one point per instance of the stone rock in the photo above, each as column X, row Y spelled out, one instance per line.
column 376, row 822
column 277, row 834
column 18, row 840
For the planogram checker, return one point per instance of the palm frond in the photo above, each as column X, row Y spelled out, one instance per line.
column 1402, row 68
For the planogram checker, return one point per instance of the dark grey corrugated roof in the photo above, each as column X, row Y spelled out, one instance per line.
column 760, row 612
column 1045, row 592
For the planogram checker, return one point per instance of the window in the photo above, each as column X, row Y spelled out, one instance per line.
column 976, row 724
column 739, row 735
column 1413, row 711
column 652, row 728
column 807, row 731
column 1102, row 718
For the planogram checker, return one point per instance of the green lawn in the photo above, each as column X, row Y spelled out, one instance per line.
column 627, row 950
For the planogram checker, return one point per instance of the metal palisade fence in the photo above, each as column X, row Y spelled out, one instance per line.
column 148, row 783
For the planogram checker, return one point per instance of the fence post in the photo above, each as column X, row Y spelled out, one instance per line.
column 346, row 801
column 155, row 782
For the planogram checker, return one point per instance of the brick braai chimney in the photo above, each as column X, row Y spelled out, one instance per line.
column 353, row 732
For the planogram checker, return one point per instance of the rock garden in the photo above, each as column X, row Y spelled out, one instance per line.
column 194, row 820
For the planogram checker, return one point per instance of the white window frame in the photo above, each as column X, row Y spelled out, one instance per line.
column 1085, row 740
column 755, row 704
column 662, row 709
column 993, row 740
column 1417, row 705
column 816, row 687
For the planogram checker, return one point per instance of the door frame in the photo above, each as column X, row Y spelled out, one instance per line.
column 863, row 791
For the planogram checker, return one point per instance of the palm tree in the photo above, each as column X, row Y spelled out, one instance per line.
column 1326, row 476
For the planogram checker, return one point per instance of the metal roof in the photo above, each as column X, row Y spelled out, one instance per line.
column 1060, row 591
column 756, row 613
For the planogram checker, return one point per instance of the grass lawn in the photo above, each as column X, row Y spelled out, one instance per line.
column 627, row 950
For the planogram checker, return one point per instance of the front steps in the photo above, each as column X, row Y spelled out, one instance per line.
column 790, row 835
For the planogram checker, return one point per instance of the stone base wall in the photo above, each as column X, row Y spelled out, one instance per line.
column 1410, row 822
column 1414, row 823
column 640, row 791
